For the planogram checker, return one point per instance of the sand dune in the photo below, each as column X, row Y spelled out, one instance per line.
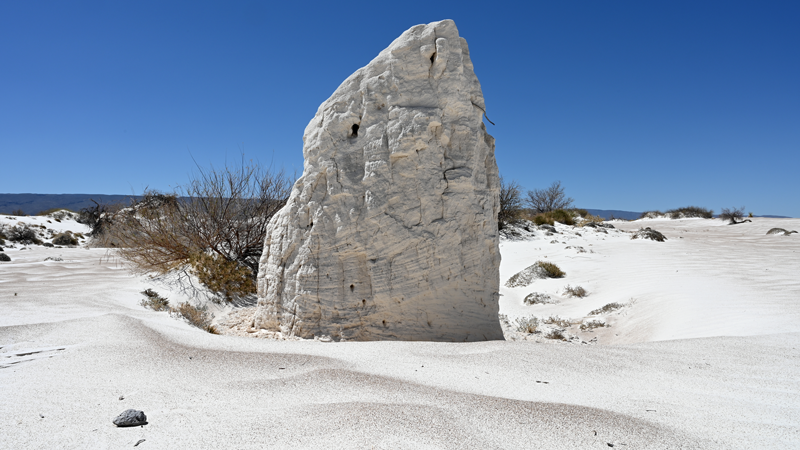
column 706, row 357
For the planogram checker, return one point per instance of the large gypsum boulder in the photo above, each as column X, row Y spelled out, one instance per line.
column 391, row 231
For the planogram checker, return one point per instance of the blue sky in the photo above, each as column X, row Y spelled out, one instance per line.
column 632, row 105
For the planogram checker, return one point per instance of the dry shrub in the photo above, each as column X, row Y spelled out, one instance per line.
column 558, row 215
column 557, row 335
column 732, row 215
column 23, row 234
column 198, row 317
column 690, row 211
column 65, row 238
column 537, row 298
column 555, row 320
column 510, row 204
column 576, row 291
column 550, row 269
column 226, row 278
column 611, row 307
column 550, row 199
column 527, row 324
column 221, row 212
column 154, row 301
column 591, row 324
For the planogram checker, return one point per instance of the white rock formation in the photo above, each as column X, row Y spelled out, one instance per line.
column 391, row 231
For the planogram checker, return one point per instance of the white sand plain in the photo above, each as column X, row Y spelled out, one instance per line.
column 706, row 354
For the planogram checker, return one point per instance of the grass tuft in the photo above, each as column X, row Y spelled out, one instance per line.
column 576, row 291
column 198, row 317
column 527, row 324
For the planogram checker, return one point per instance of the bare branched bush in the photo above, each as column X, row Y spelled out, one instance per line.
column 550, row 199
column 732, row 215
column 218, row 221
column 510, row 203
column 98, row 218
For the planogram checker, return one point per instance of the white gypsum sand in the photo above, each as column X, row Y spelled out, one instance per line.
column 706, row 357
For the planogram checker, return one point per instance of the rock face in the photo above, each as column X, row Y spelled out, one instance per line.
column 391, row 231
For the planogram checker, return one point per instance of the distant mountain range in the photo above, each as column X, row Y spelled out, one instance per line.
column 35, row 203
column 32, row 204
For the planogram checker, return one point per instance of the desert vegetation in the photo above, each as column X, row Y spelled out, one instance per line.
column 680, row 213
column 576, row 291
column 154, row 301
column 510, row 204
column 527, row 324
column 611, row 307
column 549, row 199
column 215, row 225
column 733, row 215
column 196, row 316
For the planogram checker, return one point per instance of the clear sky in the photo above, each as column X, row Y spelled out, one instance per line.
column 633, row 105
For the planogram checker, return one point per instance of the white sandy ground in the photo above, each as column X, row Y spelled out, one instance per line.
column 707, row 356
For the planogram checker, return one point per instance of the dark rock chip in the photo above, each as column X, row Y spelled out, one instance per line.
column 4, row 257
column 131, row 418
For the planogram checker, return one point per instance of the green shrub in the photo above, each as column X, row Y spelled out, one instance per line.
column 690, row 211
column 154, row 301
column 198, row 317
column 24, row 235
column 65, row 238
column 228, row 279
column 550, row 269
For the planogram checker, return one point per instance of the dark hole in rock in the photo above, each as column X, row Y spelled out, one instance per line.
column 352, row 287
column 355, row 130
column 364, row 301
column 433, row 56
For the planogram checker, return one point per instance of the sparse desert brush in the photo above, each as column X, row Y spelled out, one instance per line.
column 611, row 307
column 590, row 219
column 527, row 324
column 551, row 270
column 228, row 279
column 154, row 301
column 23, row 234
column 558, row 215
column 198, row 317
column 649, row 233
column 733, row 215
column 690, row 211
column 536, row 298
column 555, row 320
column 556, row 334
column 510, row 204
column 224, row 212
column 549, row 199
column 591, row 324
column 65, row 238
column 576, row 291
column 541, row 269
column 4, row 257
column 18, row 212
column 580, row 212
column 655, row 214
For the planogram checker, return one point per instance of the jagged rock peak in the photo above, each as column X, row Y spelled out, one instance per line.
column 391, row 231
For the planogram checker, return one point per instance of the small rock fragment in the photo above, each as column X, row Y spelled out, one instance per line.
column 131, row 418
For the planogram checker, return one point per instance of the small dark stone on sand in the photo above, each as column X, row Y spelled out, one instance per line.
column 131, row 418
